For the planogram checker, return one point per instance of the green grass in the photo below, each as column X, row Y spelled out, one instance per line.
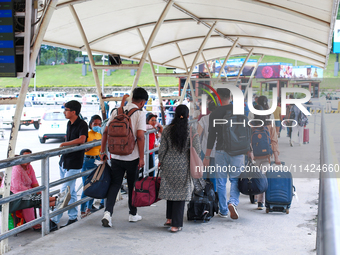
column 70, row 75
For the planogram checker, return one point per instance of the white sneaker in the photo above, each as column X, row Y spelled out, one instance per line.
column 107, row 220
column 222, row 215
column 291, row 143
column 63, row 199
column 134, row 218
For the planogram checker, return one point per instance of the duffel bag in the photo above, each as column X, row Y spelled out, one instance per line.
column 98, row 182
column 252, row 181
column 145, row 191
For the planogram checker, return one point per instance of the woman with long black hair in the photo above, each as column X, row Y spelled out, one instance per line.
column 174, row 157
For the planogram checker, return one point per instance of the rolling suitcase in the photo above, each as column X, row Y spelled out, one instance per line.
column 280, row 191
column 305, row 135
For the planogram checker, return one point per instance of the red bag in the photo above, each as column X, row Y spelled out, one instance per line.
column 145, row 192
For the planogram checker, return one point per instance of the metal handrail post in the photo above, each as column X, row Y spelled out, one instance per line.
column 45, row 203
column 146, row 166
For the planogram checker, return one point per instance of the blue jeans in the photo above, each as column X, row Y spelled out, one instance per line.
column 227, row 165
column 72, row 213
column 211, row 176
column 87, row 165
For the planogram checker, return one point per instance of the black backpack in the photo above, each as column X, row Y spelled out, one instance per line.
column 236, row 138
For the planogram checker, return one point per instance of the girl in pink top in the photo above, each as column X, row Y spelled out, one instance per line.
column 23, row 178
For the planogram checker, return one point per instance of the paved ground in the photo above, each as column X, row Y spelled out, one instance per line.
column 255, row 232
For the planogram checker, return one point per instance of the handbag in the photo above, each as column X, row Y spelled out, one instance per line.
column 196, row 164
column 32, row 200
column 98, row 182
column 252, row 181
column 145, row 191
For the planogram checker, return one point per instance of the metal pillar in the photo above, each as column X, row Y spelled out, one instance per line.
column 28, row 34
column 206, row 64
column 252, row 75
column 89, row 53
column 244, row 64
column 195, row 60
column 227, row 57
column 223, row 68
column 45, row 203
column 188, row 77
column 149, row 44
column 17, row 116
column 156, row 82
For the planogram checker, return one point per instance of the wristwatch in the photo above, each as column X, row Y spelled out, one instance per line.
column 102, row 153
column 207, row 157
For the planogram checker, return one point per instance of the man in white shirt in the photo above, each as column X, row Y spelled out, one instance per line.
column 128, row 163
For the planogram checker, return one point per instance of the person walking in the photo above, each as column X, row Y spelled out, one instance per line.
column 89, row 161
column 174, row 161
column 277, row 117
column 71, row 163
column 202, row 130
column 263, row 162
column 223, row 159
column 129, row 164
column 296, row 134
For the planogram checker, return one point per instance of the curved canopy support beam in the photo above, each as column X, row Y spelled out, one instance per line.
column 288, row 11
column 211, row 20
column 233, row 35
column 194, row 62
column 321, row 64
column 150, row 41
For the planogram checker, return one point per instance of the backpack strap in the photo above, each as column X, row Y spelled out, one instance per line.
column 132, row 111
column 120, row 110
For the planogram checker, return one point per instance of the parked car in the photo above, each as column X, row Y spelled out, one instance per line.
column 53, row 124
column 76, row 97
column 30, row 115
column 91, row 99
column 54, row 99
column 37, row 97
column 119, row 93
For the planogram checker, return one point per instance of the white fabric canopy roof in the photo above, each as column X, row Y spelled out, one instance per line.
column 300, row 30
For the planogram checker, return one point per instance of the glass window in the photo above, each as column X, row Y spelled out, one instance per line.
column 54, row 116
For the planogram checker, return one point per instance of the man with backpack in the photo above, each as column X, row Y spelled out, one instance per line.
column 301, row 120
column 124, row 137
column 228, row 159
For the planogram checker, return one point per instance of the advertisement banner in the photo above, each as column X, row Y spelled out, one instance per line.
column 274, row 70
column 233, row 67
column 307, row 72
column 336, row 44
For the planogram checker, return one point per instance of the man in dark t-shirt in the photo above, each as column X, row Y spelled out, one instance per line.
column 223, row 161
column 71, row 163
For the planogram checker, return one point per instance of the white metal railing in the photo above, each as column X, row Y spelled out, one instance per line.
column 45, row 186
column 328, row 226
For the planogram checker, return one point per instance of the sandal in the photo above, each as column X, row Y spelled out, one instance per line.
column 175, row 231
column 167, row 223
column 37, row 227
